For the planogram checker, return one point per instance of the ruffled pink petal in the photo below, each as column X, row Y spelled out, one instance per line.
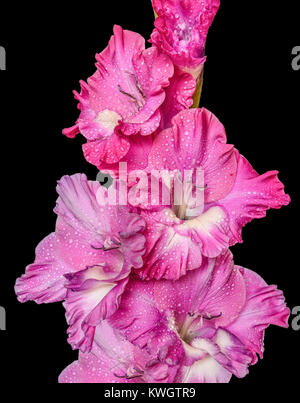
column 179, row 96
column 225, row 348
column 143, row 324
column 134, row 248
column 154, row 64
column 215, row 290
column 43, row 281
column 71, row 132
column 109, row 151
column 84, row 223
column 147, row 129
column 225, row 293
column 136, row 158
column 123, row 97
column 265, row 305
column 138, row 314
column 109, row 361
column 197, row 140
column 251, row 196
column 78, row 249
column 115, row 73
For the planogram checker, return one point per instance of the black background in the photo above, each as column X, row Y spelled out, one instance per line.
column 250, row 86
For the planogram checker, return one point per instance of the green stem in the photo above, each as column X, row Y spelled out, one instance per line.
column 197, row 95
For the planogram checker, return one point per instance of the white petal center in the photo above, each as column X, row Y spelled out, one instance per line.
column 108, row 119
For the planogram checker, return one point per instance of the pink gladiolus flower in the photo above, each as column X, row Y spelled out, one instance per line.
column 218, row 314
column 86, row 262
column 181, row 30
column 234, row 194
column 150, row 290
column 121, row 99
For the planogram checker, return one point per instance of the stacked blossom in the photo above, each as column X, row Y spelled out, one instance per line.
column 148, row 282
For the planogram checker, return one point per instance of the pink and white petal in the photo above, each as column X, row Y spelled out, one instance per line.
column 251, row 196
column 78, row 207
column 91, row 298
column 264, row 306
column 131, row 80
column 122, row 98
column 133, row 241
column 230, row 352
column 207, row 370
column 78, row 307
column 44, row 280
column 84, row 227
column 93, row 130
column 130, row 223
column 77, row 204
column 128, row 359
column 209, row 231
column 115, row 345
column 169, row 254
column 173, row 247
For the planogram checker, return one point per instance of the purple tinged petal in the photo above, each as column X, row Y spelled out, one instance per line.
column 44, row 280
column 265, row 305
